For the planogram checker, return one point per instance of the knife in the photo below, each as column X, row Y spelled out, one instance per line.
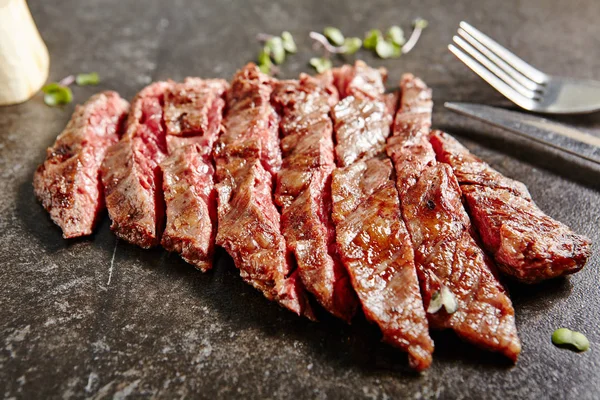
column 535, row 128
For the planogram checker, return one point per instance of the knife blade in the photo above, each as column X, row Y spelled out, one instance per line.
column 541, row 130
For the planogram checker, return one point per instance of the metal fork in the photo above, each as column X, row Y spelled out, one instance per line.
column 521, row 83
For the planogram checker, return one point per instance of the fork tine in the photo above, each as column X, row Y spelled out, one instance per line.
column 493, row 80
column 516, row 75
column 511, row 59
column 492, row 67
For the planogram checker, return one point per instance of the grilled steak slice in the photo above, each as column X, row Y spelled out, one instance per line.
column 360, row 81
column 450, row 264
column 249, row 223
column 192, row 113
column 303, row 192
column 361, row 120
column 251, row 117
column 130, row 172
column 68, row 182
column 526, row 243
column 377, row 252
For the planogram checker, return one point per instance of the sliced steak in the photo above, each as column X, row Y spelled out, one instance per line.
column 193, row 112
column 249, row 228
column 526, row 243
column 453, row 270
column 362, row 119
column 303, row 191
column 377, row 252
column 130, row 172
column 68, row 182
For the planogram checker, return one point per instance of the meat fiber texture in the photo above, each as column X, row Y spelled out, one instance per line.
column 527, row 244
column 362, row 118
column 131, row 174
column 68, row 182
column 377, row 252
column 371, row 235
column 303, row 190
column 247, row 158
column 449, row 261
column 193, row 112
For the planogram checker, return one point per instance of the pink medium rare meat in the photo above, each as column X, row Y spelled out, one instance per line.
column 68, row 182
column 527, row 244
column 303, row 191
column 249, row 228
column 193, row 112
column 377, row 252
column 361, row 119
column 130, row 172
column 459, row 287
column 371, row 235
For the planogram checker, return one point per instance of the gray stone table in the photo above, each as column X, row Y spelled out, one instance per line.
column 157, row 328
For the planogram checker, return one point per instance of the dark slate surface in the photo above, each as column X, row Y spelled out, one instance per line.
column 98, row 318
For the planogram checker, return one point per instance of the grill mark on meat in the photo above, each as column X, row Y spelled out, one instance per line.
column 527, row 244
column 192, row 115
column 247, row 157
column 362, row 118
column 68, row 182
column 376, row 250
column 446, row 253
column 130, row 172
column 371, row 236
column 303, row 190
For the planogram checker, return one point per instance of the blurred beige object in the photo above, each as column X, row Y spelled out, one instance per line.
column 23, row 55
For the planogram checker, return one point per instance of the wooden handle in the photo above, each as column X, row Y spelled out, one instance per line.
column 24, row 57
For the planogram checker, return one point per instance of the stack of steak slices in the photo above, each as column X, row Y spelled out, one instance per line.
column 193, row 112
column 303, row 189
column 527, row 244
column 371, row 235
column 131, row 174
column 68, row 182
column 375, row 219
column 459, row 287
column 247, row 159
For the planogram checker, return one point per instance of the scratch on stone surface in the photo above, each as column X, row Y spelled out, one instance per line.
column 17, row 336
column 112, row 262
column 92, row 381
column 126, row 391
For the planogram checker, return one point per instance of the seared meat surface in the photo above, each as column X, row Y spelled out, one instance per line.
column 249, row 227
column 527, row 244
column 450, row 264
column 377, row 252
column 303, row 191
column 68, row 182
column 371, row 236
column 362, row 118
column 130, row 172
column 193, row 112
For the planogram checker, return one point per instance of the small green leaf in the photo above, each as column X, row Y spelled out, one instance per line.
column 288, row 42
column 275, row 45
column 56, row 94
column 320, row 64
column 564, row 337
column 334, row 35
column 51, row 87
column 87, row 79
column 352, row 45
column 372, row 38
column 420, row 23
column 265, row 68
column 264, row 60
column 396, row 35
column 264, row 57
column 385, row 49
